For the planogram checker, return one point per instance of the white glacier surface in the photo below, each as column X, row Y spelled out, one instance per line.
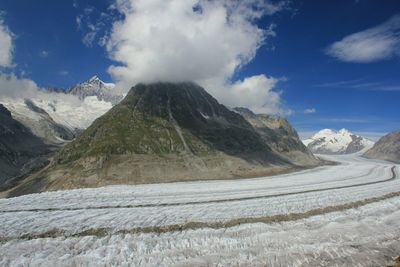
column 134, row 225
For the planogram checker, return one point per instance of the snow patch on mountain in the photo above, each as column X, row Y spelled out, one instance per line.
column 76, row 115
column 56, row 115
column 328, row 141
column 96, row 87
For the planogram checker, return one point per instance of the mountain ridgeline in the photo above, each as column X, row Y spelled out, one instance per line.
column 166, row 132
column 387, row 148
column 57, row 115
column 20, row 150
column 96, row 87
column 328, row 141
column 279, row 135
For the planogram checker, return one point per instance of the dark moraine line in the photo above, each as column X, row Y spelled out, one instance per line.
column 208, row 201
column 102, row 232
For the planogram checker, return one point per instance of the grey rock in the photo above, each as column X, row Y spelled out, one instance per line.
column 387, row 148
column 96, row 87
column 20, row 150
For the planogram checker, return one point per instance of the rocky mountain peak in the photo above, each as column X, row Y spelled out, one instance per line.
column 279, row 134
column 164, row 132
column 94, row 78
column 96, row 87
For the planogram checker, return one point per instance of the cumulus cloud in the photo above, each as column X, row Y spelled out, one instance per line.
column 255, row 92
column 374, row 44
column 6, row 45
column 16, row 88
column 12, row 86
column 310, row 110
column 194, row 40
column 94, row 24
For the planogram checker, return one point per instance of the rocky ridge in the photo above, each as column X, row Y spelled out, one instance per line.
column 167, row 132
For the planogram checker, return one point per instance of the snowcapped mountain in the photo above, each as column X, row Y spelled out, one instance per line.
column 96, row 87
column 38, row 121
column 328, row 141
column 56, row 115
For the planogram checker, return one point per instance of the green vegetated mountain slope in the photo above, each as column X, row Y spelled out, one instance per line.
column 167, row 132
column 20, row 150
column 387, row 148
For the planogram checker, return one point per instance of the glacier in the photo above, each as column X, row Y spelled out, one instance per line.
column 346, row 215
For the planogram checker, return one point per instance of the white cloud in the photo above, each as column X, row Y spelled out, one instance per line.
column 374, row 44
column 194, row 40
column 6, row 45
column 12, row 86
column 94, row 25
column 255, row 92
column 89, row 38
column 63, row 72
column 44, row 54
column 75, row 4
column 310, row 110
column 388, row 88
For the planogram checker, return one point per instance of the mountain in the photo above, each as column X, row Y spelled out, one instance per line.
column 38, row 121
column 159, row 133
column 329, row 141
column 280, row 136
column 20, row 150
column 96, row 87
column 57, row 115
column 387, row 148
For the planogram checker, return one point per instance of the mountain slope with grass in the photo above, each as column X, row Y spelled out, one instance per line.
column 162, row 132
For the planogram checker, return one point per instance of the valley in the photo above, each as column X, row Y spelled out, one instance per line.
column 191, row 219
column 199, row 133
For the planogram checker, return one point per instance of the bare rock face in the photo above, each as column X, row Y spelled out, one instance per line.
column 387, row 148
column 280, row 136
column 20, row 150
column 166, row 132
column 96, row 87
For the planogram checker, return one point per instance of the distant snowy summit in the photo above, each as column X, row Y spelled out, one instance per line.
column 96, row 87
column 93, row 87
column 56, row 114
column 328, row 141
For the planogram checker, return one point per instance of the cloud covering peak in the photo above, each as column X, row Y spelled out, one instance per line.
column 201, row 41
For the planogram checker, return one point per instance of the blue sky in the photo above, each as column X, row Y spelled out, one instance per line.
column 336, row 89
